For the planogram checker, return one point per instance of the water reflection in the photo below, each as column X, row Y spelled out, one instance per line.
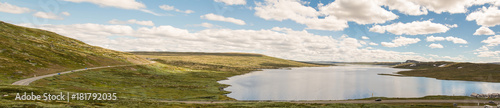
column 344, row 82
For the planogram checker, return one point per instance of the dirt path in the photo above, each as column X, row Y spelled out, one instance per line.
column 29, row 80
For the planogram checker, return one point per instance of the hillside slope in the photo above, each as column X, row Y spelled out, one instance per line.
column 230, row 62
column 25, row 52
column 453, row 71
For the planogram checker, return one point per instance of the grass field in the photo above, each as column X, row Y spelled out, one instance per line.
column 454, row 71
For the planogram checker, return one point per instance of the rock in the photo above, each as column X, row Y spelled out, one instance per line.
column 474, row 95
column 412, row 61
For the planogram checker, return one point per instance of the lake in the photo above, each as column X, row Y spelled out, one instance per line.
column 344, row 82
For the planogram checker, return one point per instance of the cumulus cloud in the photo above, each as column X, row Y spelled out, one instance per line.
column 294, row 10
column 206, row 25
column 413, row 28
column 214, row 17
column 451, row 26
column 48, row 15
column 434, row 45
column 65, row 13
column 339, row 12
column 132, row 21
column 440, row 6
column 484, row 51
column 359, row 11
column 9, row 8
column 172, row 8
column 372, row 43
column 122, row 4
column 364, row 37
column 455, row 40
column 405, row 6
column 400, row 41
column 484, row 31
column 485, row 16
column 278, row 42
column 492, row 41
column 232, row 2
column 421, row 7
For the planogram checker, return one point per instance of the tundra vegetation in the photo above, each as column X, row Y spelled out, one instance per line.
column 484, row 72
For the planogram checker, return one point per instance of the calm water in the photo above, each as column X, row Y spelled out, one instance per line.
column 344, row 82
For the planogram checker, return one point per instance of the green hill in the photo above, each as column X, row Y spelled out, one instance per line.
column 25, row 52
column 453, row 71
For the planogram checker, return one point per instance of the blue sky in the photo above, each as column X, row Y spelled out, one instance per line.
column 327, row 30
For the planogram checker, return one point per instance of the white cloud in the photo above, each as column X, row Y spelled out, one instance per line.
column 485, row 16
column 450, row 6
column 421, row 7
column 372, row 43
column 433, row 45
column 364, row 37
column 132, row 21
column 413, row 28
column 405, row 6
column 65, row 13
column 232, row 2
column 294, row 10
column 451, row 26
column 455, row 40
column 47, row 16
column 214, row 17
column 9, row 8
column 162, row 31
column 167, row 7
column 492, row 41
column 124, row 4
column 359, row 11
column 460, row 57
column 432, row 39
column 170, row 8
column 484, row 51
column 484, row 31
column 206, row 25
column 491, row 2
column 340, row 12
column 400, row 41
column 279, row 42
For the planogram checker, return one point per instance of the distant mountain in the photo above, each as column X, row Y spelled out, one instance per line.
column 25, row 52
column 495, row 63
column 321, row 62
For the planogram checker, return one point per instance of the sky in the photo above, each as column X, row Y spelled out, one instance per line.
column 304, row 30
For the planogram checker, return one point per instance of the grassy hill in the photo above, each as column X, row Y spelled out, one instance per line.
column 453, row 71
column 231, row 62
column 25, row 52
